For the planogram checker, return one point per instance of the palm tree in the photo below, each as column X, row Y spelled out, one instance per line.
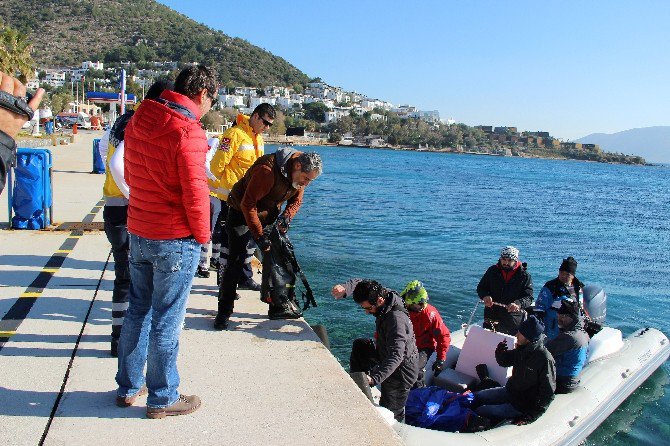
column 15, row 52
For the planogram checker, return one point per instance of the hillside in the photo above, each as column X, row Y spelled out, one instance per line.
column 65, row 32
column 652, row 143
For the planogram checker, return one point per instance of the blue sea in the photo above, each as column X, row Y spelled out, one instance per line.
column 396, row 216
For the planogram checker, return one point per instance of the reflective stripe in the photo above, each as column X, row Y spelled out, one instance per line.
column 117, row 321
column 246, row 147
column 119, row 306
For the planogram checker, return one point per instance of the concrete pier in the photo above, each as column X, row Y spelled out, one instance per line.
column 262, row 382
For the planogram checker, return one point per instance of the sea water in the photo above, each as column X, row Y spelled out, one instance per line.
column 397, row 216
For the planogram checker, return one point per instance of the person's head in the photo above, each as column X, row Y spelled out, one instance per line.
column 567, row 313
column 509, row 256
column 370, row 295
column 158, row 87
column 530, row 330
column 198, row 82
column 567, row 270
column 262, row 118
column 415, row 296
column 307, row 166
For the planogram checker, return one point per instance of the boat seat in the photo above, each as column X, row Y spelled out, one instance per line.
column 454, row 381
column 607, row 341
column 479, row 348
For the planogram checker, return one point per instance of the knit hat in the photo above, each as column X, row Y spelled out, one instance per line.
column 569, row 265
column 509, row 252
column 531, row 328
column 414, row 293
column 569, row 307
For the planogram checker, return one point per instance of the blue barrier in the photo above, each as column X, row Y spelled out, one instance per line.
column 98, row 163
column 30, row 193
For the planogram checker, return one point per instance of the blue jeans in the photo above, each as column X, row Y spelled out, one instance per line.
column 494, row 404
column 161, row 273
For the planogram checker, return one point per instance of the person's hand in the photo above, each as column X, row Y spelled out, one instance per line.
column 338, row 291
column 488, row 301
column 263, row 243
column 502, row 347
column 371, row 382
column 513, row 308
column 438, row 366
column 10, row 122
column 282, row 224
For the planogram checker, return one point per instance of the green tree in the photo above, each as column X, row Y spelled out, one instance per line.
column 315, row 111
column 59, row 101
column 15, row 52
column 279, row 125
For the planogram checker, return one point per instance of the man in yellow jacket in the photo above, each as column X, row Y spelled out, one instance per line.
column 240, row 146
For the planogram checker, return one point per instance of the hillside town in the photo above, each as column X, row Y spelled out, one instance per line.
column 316, row 113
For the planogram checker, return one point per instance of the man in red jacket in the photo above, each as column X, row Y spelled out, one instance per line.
column 168, row 220
column 431, row 334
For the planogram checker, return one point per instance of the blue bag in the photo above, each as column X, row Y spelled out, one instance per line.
column 98, row 163
column 438, row 409
column 31, row 195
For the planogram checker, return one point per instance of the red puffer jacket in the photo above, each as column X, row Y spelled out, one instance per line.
column 430, row 331
column 165, row 170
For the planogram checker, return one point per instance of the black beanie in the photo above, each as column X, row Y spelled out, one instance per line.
column 531, row 328
column 569, row 265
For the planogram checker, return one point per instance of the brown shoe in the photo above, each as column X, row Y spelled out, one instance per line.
column 184, row 405
column 127, row 401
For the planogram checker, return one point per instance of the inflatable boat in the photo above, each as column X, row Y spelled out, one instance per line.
column 616, row 366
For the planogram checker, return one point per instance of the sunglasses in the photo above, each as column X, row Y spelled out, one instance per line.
column 266, row 122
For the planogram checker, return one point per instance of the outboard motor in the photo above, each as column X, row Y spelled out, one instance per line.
column 595, row 303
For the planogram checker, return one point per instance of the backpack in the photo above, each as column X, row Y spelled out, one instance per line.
column 280, row 271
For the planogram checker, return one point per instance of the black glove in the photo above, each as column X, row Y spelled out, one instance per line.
column 438, row 365
column 502, row 347
column 263, row 243
column 283, row 223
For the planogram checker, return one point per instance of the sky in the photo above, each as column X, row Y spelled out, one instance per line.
column 567, row 67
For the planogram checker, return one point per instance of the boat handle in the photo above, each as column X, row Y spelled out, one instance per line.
column 573, row 422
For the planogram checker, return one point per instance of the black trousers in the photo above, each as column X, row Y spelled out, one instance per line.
column 239, row 237
column 116, row 229
column 395, row 388
column 424, row 355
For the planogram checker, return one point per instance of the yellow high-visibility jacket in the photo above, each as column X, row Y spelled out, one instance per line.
column 239, row 148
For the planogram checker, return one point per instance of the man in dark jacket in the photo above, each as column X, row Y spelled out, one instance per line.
column 254, row 203
column 507, row 291
column 391, row 359
column 569, row 348
column 530, row 389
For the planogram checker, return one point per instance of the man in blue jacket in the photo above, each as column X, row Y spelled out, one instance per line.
column 570, row 347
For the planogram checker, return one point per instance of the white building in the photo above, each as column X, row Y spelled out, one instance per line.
column 232, row 100
column 55, row 78
column 336, row 114
column 255, row 101
column 246, row 91
column 428, row 116
column 88, row 65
